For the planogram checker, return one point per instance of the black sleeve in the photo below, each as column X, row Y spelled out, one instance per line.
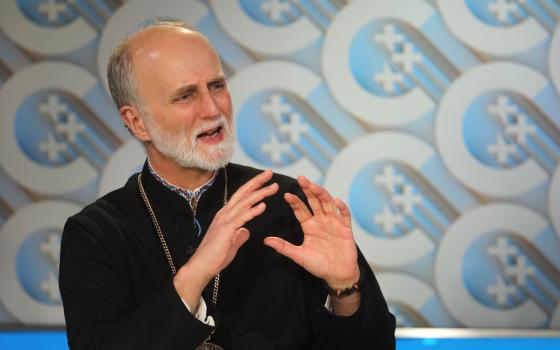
column 372, row 326
column 99, row 308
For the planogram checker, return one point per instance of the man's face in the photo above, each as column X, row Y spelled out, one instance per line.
column 186, row 105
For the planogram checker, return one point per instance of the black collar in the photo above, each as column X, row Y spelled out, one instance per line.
column 162, row 197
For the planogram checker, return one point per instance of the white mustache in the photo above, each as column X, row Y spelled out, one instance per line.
column 211, row 125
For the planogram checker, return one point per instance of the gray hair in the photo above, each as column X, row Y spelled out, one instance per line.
column 120, row 74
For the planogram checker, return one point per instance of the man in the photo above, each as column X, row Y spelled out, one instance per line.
column 180, row 257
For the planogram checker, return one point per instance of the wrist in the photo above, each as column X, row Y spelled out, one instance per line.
column 198, row 268
column 346, row 306
column 189, row 283
column 340, row 289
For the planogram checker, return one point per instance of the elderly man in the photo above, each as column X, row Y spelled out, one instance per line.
column 195, row 252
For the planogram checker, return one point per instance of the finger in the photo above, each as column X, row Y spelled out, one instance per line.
column 241, row 236
column 256, row 196
column 285, row 248
column 311, row 197
column 240, row 219
column 250, row 186
column 299, row 208
column 325, row 199
column 345, row 216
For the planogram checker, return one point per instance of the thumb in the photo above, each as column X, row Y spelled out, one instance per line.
column 241, row 236
column 285, row 248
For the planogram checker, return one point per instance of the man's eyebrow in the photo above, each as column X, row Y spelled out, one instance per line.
column 182, row 90
column 192, row 87
column 220, row 78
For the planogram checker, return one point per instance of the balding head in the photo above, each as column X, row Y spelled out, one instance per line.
column 169, row 86
column 120, row 69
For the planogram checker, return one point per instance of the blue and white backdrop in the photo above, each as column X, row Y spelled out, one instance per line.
column 438, row 121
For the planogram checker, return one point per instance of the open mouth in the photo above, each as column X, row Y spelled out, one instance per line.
column 210, row 133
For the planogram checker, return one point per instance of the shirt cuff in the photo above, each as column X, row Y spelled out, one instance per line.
column 201, row 312
column 328, row 305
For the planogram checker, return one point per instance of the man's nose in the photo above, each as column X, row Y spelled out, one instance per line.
column 209, row 106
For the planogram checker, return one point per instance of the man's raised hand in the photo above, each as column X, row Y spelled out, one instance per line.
column 226, row 233
column 328, row 250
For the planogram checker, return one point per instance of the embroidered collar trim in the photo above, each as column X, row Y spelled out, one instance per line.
column 190, row 196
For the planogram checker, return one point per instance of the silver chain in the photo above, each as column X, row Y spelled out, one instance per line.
column 162, row 238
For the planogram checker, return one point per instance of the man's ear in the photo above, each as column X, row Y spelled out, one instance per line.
column 135, row 124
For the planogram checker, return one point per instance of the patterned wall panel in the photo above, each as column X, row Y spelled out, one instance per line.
column 437, row 121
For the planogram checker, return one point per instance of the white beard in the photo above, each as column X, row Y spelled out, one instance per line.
column 185, row 149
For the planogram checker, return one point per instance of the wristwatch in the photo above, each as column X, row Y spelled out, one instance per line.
column 340, row 293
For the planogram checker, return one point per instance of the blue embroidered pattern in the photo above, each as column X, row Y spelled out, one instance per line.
column 192, row 197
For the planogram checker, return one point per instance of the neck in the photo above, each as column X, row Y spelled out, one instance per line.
column 187, row 178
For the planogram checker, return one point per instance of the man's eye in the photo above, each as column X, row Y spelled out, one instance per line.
column 217, row 85
column 185, row 96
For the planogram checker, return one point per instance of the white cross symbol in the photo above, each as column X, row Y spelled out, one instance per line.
column 52, row 148
column 275, row 9
column 503, row 109
column 388, row 79
column 51, row 9
column 388, row 220
column 389, row 178
column 71, row 128
column 389, row 37
column 50, row 286
column 502, row 249
column 407, row 199
column 501, row 290
column 501, row 150
column 51, row 247
column 53, row 107
column 520, row 270
column 294, row 128
column 502, row 9
column 275, row 148
column 275, row 107
column 521, row 129
column 407, row 57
